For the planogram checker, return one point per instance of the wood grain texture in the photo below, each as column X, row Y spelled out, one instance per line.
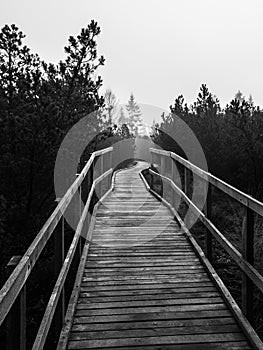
column 143, row 286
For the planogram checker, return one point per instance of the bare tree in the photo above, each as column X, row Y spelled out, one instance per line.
column 110, row 105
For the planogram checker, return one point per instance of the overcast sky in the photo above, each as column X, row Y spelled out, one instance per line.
column 156, row 49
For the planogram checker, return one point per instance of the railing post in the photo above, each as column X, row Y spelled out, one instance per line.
column 173, row 179
column 80, row 200
column 187, row 181
column 101, row 172
column 150, row 177
column 162, row 165
column 151, row 157
column 79, row 212
column 59, row 259
column 92, row 178
column 208, row 214
column 16, row 319
column 248, row 254
column 110, row 166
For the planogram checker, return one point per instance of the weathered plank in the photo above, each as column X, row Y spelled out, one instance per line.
column 159, row 340
column 153, row 316
column 191, row 322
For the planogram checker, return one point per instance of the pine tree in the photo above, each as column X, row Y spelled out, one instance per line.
column 207, row 105
column 39, row 102
column 239, row 96
column 250, row 100
column 135, row 121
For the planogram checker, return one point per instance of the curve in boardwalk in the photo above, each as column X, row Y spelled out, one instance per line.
column 143, row 286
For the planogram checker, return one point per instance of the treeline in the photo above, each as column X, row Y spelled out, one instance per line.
column 232, row 138
column 39, row 103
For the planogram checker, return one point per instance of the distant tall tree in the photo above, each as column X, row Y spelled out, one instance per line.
column 239, row 96
column 250, row 100
column 110, row 102
column 134, row 111
column 179, row 108
column 206, row 103
column 122, row 119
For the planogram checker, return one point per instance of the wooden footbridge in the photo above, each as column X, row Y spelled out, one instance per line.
column 143, row 282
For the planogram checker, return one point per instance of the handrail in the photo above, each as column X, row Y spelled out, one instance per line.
column 238, row 195
column 18, row 278
column 243, row 259
column 50, row 309
column 248, row 269
column 63, row 339
column 242, row 320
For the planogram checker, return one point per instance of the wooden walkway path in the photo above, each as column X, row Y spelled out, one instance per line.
column 143, row 286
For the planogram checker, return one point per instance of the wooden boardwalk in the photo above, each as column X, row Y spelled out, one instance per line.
column 143, row 286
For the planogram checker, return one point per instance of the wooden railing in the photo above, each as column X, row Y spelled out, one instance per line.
column 13, row 293
column 244, row 259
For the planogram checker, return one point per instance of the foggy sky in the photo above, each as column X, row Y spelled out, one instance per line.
column 155, row 49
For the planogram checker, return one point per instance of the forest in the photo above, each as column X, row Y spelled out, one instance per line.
column 40, row 102
column 231, row 137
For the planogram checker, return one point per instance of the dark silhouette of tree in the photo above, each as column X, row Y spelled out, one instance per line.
column 232, row 139
column 39, row 102
column 125, row 133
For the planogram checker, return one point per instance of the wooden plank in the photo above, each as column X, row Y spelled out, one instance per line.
column 146, row 316
column 150, row 309
column 138, row 268
column 143, row 286
column 154, row 292
column 102, row 298
column 141, row 254
column 151, row 252
column 156, row 332
column 145, row 270
column 85, row 305
column 184, row 323
column 109, row 264
column 136, row 241
column 145, row 259
column 142, row 249
column 146, row 278
column 177, row 339
column 237, row 345
column 151, row 241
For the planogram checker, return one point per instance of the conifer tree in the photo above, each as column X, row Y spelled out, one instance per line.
column 134, row 111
